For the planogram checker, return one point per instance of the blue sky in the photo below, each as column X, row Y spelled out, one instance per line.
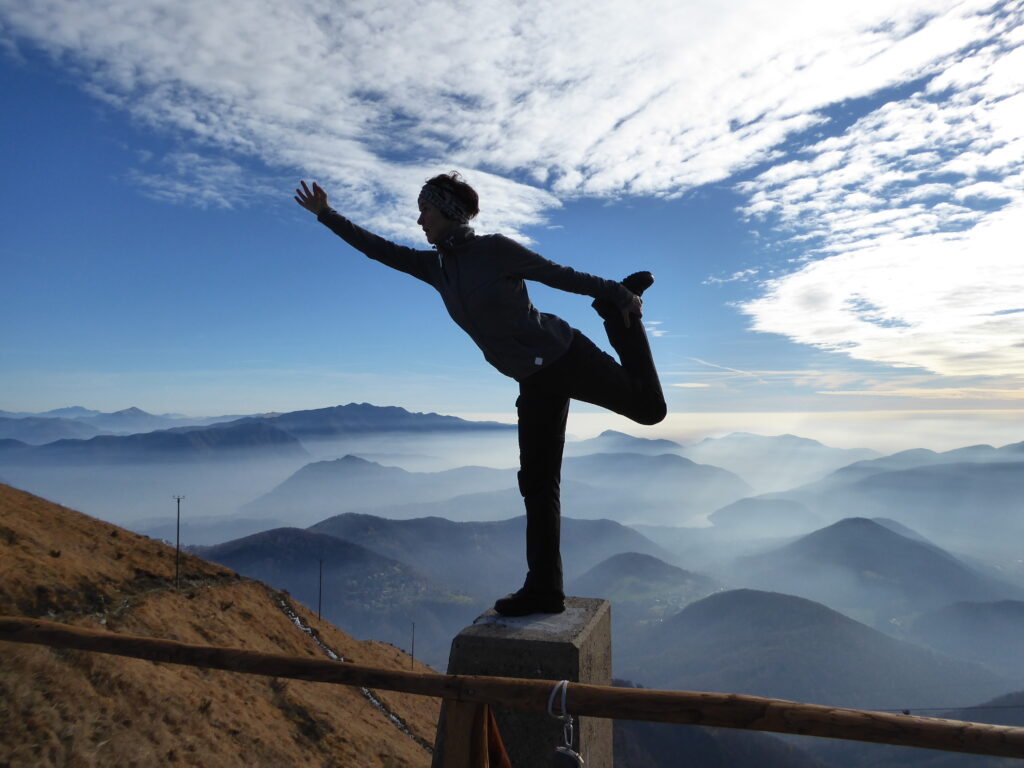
column 829, row 195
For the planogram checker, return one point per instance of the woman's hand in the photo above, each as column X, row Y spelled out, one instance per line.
column 313, row 201
column 635, row 307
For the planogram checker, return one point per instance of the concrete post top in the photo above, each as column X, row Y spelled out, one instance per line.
column 574, row 646
column 573, row 626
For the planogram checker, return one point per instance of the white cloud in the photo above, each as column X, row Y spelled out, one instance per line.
column 937, row 301
column 533, row 100
column 915, row 260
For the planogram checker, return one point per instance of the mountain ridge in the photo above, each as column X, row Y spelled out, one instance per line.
column 362, row 417
column 771, row 644
column 181, row 444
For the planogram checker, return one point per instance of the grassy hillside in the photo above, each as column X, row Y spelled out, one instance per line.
column 76, row 708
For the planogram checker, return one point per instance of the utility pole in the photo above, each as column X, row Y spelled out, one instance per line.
column 177, row 545
column 412, row 654
column 320, row 591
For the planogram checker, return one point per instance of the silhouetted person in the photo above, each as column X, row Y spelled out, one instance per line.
column 481, row 281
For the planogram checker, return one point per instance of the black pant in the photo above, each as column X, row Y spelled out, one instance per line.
column 583, row 373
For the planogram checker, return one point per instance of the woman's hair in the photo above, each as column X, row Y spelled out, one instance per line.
column 460, row 190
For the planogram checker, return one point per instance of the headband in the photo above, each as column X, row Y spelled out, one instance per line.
column 444, row 201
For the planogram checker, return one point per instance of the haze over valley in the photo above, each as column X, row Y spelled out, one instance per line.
column 767, row 565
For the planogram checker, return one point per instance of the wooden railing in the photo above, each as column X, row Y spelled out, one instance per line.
column 684, row 707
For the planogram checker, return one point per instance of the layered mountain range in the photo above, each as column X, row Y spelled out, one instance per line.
column 869, row 571
column 771, row 565
column 134, row 435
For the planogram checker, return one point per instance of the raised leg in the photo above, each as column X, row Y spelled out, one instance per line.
column 642, row 398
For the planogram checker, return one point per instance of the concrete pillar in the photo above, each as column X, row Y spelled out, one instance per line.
column 574, row 646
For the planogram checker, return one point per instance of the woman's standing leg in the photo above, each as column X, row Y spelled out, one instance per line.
column 543, row 409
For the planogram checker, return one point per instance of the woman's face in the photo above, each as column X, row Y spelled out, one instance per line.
column 436, row 226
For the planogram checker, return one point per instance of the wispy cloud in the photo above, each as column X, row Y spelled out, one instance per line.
column 927, row 387
column 187, row 177
column 713, row 375
column 725, row 372
column 913, row 221
column 849, row 384
column 946, row 393
column 742, row 275
column 536, row 101
column 653, row 328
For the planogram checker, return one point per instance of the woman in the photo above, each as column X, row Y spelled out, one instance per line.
column 480, row 278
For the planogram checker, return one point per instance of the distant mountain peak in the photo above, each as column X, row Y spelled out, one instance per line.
column 913, row 452
column 350, row 458
column 762, row 608
column 636, row 565
column 354, row 418
column 840, row 536
column 613, row 441
column 751, row 437
column 71, row 412
column 862, row 523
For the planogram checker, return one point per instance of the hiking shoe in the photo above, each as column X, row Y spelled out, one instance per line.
column 639, row 282
column 523, row 603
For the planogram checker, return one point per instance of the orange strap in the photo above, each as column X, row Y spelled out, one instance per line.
column 472, row 739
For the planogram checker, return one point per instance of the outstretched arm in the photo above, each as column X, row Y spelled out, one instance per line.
column 408, row 260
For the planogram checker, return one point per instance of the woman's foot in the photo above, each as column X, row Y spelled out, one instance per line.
column 523, row 603
column 636, row 283
column 639, row 282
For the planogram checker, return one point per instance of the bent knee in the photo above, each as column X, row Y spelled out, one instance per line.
column 652, row 414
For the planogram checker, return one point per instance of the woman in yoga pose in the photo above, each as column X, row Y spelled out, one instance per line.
column 481, row 280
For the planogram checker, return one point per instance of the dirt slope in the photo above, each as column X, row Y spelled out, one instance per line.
column 71, row 708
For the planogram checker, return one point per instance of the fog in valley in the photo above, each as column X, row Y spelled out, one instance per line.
column 758, row 564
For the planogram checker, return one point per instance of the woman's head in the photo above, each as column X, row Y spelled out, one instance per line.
column 446, row 201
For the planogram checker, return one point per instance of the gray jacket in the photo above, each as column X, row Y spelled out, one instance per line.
column 480, row 278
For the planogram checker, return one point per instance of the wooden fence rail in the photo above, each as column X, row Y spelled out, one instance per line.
column 684, row 707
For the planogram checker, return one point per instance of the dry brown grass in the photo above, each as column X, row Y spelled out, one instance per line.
column 70, row 708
